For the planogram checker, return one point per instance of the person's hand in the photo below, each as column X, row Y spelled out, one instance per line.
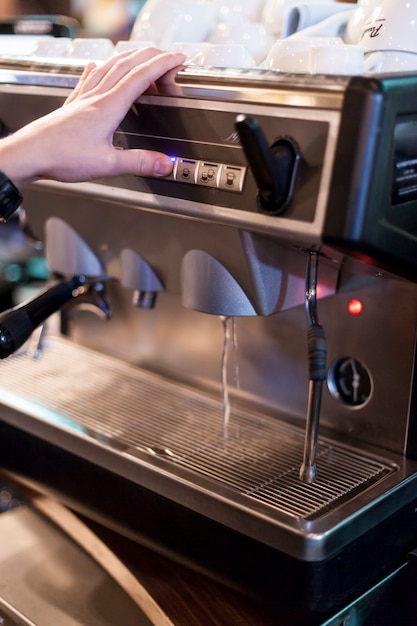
column 75, row 142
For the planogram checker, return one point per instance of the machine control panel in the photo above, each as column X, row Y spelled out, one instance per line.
column 208, row 174
column 210, row 162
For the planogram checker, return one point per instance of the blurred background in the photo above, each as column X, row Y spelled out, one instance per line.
column 101, row 18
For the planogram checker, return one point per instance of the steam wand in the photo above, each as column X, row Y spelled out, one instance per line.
column 317, row 354
column 17, row 324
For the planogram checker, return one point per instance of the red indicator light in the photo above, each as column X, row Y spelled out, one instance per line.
column 355, row 307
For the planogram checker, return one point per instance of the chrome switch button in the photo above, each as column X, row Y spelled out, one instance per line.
column 208, row 174
column 231, row 178
column 186, row 171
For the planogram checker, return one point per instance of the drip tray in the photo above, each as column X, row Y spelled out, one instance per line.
column 172, row 439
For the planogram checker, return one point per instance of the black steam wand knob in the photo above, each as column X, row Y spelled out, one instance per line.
column 17, row 324
column 274, row 166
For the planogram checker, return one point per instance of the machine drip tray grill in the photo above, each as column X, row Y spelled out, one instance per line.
column 146, row 418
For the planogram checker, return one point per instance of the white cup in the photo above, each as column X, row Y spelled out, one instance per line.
column 194, row 22
column 389, row 61
column 19, row 45
column 94, row 49
column 299, row 16
column 392, row 25
column 358, row 19
column 332, row 26
column 52, row 47
column 153, row 19
column 190, row 49
column 167, row 22
column 292, row 55
column 223, row 55
column 125, row 46
column 276, row 14
column 236, row 10
column 253, row 35
column 347, row 60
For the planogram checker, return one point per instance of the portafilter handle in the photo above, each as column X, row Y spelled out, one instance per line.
column 17, row 324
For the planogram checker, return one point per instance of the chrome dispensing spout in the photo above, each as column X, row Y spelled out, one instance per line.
column 317, row 355
column 137, row 274
column 93, row 297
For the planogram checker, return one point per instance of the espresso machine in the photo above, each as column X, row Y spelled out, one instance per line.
column 231, row 379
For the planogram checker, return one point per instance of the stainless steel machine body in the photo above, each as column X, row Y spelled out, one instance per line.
column 125, row 419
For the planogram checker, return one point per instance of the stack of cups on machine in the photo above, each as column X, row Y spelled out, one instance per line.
column 291, row 36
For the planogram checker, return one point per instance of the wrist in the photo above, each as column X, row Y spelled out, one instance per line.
column 10, row 197
column 17, row 160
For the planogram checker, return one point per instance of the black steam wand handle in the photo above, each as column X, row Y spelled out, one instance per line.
column 17, row 324
column 274, row 167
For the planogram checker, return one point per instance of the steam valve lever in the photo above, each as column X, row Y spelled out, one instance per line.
column 274, row 167
column 317, row 356
column 17, row 324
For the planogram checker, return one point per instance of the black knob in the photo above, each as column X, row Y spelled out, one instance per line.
column 17, row 324
column 274, row 167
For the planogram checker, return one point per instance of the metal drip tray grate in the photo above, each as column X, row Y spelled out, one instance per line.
column 145, row 417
